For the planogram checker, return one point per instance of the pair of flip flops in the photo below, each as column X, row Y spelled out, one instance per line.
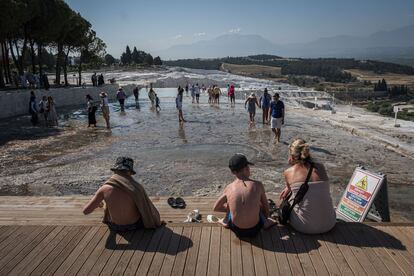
column 176, row 202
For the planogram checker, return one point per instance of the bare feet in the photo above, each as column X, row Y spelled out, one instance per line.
column 223, row 222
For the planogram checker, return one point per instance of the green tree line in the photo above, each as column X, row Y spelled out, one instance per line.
column 32, row 30
column 138, row 57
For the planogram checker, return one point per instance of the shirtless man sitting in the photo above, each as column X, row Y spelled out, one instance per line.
column 122, row 212
column 244, row 201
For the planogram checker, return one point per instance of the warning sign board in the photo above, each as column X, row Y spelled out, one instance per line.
column 359, row 195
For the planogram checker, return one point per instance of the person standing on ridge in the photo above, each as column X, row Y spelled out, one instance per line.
column 277, row 115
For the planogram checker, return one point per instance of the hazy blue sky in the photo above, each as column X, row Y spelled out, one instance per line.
column 159, row 24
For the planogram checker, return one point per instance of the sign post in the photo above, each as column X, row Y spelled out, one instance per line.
column 359, row 195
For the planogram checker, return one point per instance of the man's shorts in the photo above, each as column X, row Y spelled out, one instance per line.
column 242, row 232
column 276, row 123
column 125, row 228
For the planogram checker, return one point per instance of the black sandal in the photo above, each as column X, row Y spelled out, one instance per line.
column 180, row 203
column 172, row 202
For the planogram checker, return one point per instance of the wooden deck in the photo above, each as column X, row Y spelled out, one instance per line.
column 44, row 235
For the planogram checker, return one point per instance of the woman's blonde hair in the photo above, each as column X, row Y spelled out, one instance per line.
column 299, row 151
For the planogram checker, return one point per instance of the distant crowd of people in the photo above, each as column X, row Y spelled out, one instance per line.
column 30, row 80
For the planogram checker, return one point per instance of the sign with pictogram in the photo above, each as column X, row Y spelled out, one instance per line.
column 359, row 195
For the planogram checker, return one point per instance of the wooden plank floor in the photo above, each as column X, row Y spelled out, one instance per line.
column 54, row 246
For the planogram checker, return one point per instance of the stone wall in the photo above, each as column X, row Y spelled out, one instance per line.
column 16, row 102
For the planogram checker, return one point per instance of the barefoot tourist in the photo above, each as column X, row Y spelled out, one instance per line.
column 264, row 103
column 216, row 92
column 33, row 109
column 91, row 111
column 231, row 95
column 197, row 93
column 136, row 96
column 127, row 205
column 151, row 96
column 314, row 214
column 121, row 96
column 157, row 103
column 251, row 103
column 105, row 108
column 244, row 201
column 52, row 117
column 179, row 104
column 277, row 115
column 43, row 109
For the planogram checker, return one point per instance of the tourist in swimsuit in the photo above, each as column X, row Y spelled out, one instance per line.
column 251, row 103
column 244, row 201
column 315, row 214
column 127, row 207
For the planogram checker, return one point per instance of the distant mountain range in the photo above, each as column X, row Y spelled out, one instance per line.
column 396, row 45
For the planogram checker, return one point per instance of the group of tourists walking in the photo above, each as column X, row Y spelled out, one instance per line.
column 273, row 108
column 45, row 109
column 273, row 111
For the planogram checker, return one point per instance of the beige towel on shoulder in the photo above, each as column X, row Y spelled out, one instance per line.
column 149, row 214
